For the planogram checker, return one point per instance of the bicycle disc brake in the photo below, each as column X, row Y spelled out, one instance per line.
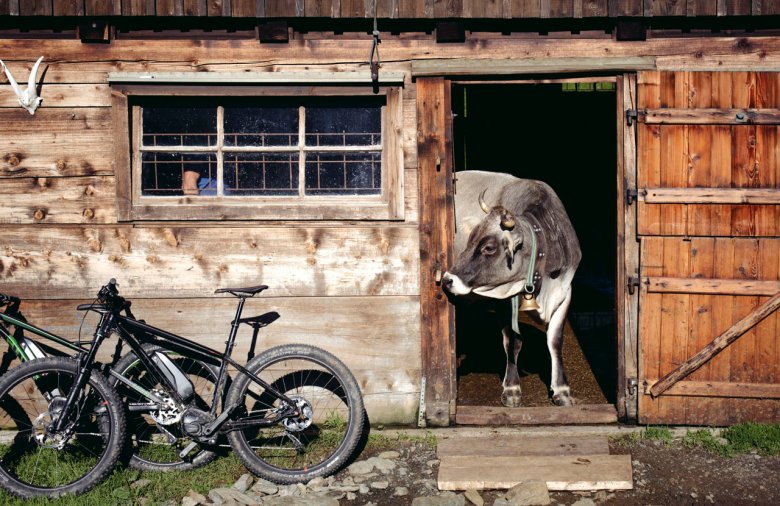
column 304, row 417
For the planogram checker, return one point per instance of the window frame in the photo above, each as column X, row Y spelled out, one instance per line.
column 132, row 206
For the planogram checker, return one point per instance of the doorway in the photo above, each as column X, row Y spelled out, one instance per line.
column 563, row 133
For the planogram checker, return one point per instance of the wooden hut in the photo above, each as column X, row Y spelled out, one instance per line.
column 89, row 187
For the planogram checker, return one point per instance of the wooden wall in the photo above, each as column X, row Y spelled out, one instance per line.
column 391, row 8
column 353, row 288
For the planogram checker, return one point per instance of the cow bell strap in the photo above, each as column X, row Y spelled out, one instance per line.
column 529, row 280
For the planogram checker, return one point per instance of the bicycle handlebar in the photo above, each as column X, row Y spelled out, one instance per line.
column 8, row 299
column 109, row 295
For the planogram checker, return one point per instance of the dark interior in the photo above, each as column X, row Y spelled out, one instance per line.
column 565, row 135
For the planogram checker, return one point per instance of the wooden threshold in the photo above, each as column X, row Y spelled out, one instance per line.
column 582, row 414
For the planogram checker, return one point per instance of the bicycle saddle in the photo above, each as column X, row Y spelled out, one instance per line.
column 251, row 290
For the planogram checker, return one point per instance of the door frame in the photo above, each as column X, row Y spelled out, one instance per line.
column 436, row 188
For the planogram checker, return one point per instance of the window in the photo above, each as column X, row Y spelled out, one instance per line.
column 260, row 153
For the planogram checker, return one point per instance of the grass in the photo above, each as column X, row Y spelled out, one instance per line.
column 738, row 439
column 224, row 471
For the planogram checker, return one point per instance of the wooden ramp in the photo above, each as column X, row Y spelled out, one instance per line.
column 501, row 462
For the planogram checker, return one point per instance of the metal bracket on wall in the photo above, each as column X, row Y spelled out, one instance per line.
column 421, row 410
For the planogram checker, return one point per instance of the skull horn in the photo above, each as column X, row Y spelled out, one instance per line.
column 482, row 202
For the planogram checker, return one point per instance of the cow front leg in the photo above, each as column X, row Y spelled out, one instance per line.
column 558, row 384
column 512, row 396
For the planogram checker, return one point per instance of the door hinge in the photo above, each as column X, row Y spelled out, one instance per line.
column 633, row 115
column 633, row 283
column 632, row 385
column 632, row 195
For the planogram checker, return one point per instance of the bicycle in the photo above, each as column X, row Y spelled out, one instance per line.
column 293, row 413
column 142, row 457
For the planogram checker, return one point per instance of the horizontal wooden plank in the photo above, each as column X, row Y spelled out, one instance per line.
column 66, row 95
column 253, row 77
column 497, row 446
column 574, row 415
column 585, row 472
column 56, row 142
column 718, row 389
column 377, row 337
column 769, row 196
column 470, row 67
column 747, row 287
column 710, row 116
column 191, row 261
column 89, row 199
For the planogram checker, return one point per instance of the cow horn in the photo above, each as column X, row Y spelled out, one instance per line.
column 507, row 221
column 482, row 202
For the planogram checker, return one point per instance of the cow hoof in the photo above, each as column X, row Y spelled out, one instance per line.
column 512, row 397
column 563, row 399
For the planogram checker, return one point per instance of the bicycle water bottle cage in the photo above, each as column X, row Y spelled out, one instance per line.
column 249, row 291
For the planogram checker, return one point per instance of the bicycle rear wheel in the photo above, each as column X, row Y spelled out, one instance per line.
column 35, row 460
column 324, row 434
column 156, row 447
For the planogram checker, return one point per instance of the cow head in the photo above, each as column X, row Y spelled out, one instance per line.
column 496, row 258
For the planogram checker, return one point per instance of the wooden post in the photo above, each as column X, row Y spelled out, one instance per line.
column 716, row 346
column 434, row 144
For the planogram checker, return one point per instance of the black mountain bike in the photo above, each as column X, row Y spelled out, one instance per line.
column 149, row 451
column 294, row 412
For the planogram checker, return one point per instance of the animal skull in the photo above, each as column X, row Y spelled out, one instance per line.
column 28, row 98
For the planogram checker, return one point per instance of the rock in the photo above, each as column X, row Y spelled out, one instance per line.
column 231, row 495
column 360, row 467
column 528, row 493
column 432, row 462
column 193, row 498
column 244, row 482
column 474, row 497
column 401, row 491
column 363, row 489
column 382, row 465
column 317, row 500
column 585, row 501
column 389, row 455
column 380, row 485
column 264, row 487
column 445, row 500
column 317, row 482
column 140, row 484
column 351, row 496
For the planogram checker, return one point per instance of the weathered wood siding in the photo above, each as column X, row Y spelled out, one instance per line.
column 392, row 8
column 351, row 287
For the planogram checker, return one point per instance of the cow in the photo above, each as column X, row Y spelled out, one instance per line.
column 504, row 225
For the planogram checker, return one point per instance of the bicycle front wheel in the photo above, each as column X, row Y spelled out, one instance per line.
column 320, row 439
column 35, row 460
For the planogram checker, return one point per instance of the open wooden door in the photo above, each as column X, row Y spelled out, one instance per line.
column 708, row 219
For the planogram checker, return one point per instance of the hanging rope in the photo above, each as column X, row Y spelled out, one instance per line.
column 375, row 50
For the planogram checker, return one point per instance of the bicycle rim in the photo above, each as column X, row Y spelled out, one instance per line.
column 40, row 462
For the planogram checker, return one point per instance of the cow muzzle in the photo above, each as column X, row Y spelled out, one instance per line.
column 452, row 284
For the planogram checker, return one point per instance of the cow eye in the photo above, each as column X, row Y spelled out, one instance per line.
column 489, row 249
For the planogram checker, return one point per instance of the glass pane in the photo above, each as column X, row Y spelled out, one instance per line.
column 194, row 125
column 267, row 174
column 344, row 122
column 261, row 126
column 164, row 174
column 346, row 173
